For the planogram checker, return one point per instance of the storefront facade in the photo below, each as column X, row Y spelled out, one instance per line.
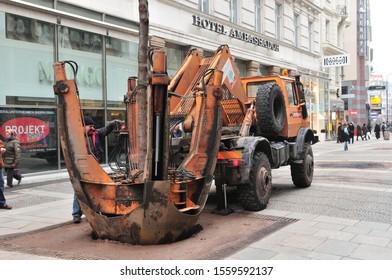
column 103, row 40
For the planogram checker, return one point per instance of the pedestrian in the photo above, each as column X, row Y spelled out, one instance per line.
column 377, row 130
column 176, row 132
column 340, row 134
column 365, row 132
column 11, row 157
column 346, row 136
column 369, row 130
column 359, row 132
column 383, row 128
column 351, row 130
column 3, row 202
column 96, row 140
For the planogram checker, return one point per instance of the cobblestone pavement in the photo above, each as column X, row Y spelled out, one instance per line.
column 344, row 214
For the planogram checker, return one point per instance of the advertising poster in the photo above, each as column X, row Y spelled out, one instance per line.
column 36, row 129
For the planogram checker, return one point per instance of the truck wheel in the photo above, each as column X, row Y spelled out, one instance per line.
column 270, row 108
column 302, row 173
column 255, row 195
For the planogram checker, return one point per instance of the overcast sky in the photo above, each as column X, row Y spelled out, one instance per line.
column 381, row 21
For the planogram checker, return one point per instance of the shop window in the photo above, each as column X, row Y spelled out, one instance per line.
column 85, row 48
column 121, row 63
column 27, row 56
column 36, row 129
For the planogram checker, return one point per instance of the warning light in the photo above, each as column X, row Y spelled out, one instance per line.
column 285, row 72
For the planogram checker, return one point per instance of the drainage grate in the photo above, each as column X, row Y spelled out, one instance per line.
column 267, row 217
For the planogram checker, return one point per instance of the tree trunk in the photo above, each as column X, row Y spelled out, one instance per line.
column 142, row 79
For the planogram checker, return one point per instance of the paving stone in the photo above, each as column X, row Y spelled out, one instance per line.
column 337, row 247
column 357, row 230
column 369, row 252
column 252, row 253
column 335, row 234
column 371, row 240
column 373, row 225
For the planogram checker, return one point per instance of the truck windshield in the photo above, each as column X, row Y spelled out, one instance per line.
column 253, row 87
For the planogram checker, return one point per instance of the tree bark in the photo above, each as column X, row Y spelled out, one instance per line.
column 142, row 79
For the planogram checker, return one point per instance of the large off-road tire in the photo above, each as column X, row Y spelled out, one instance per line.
column 270, row 109
column 302, row 173
column 255, row 196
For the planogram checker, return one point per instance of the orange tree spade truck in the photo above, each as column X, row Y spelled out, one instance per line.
column 265, row 125
column 234, row 131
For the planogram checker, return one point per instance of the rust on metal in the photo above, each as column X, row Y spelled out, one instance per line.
column 165, row 207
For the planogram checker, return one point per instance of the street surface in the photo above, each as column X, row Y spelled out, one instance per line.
column 345, row 214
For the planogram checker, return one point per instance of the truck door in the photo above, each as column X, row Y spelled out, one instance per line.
column 294, row 110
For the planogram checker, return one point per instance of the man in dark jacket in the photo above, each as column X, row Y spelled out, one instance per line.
column 96, row 136
column 340, row 134
column 351, row 130
column 96, row 140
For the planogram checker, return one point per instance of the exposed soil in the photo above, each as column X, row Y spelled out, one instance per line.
column 220, row 237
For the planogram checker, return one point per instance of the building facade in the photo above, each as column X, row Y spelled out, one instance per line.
column 356, row 76
column 265, row 36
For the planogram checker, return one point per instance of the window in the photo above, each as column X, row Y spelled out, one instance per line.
column 291, row 93
column 234, row 11
column 86, row 49
column 27, row 47
column 253, row 87
column 297, row 30
column 29, row 30
column 121, row 63
column 258, row 16
column 175, row 57
column 327, row 31
column 278, row 20
column 204, row 6
column 310, row 35
column 241, row 66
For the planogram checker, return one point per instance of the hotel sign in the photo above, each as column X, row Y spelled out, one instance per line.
column 233, row 33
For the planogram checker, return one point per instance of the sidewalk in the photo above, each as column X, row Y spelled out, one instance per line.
column 313, row 236
column 36, row 208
